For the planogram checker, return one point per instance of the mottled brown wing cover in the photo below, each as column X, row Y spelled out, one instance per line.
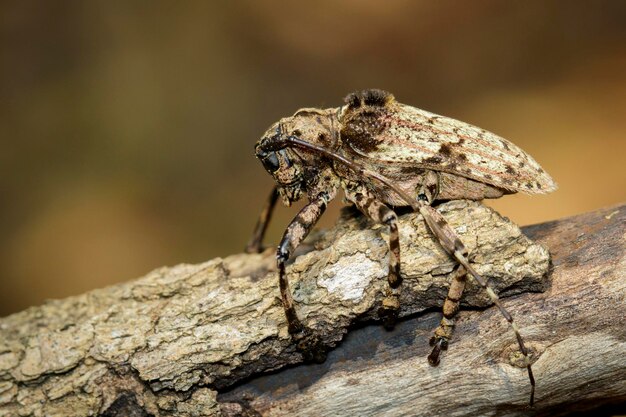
column 394, row 133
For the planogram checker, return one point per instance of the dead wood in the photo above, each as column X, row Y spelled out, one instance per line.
column 167, row 343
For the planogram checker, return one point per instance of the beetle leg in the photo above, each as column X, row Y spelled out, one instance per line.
column 453, row 245
column 310, row 346
column 256, row 241
column 427, row 193
column 377, row 211
column 443, row 333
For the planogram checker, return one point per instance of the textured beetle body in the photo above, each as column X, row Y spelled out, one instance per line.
column 402, row 143
column 385, row 154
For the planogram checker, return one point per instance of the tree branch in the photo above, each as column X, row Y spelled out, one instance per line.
column 165, row 344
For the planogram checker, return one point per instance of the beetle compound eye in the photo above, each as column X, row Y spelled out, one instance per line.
column 270, row 162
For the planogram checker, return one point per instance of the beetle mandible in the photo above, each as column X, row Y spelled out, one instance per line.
column 385, row 154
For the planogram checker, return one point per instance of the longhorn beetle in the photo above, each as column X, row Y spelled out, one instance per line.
column 385, row 154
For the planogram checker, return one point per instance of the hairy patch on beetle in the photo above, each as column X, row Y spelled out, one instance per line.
column 372, row 97
column 362, row 131
column 353, row 101
column 376, row 97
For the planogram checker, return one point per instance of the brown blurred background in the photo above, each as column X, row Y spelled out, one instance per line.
column 127, row 128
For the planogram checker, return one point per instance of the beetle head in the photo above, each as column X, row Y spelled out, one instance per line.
column 282, row 163
column 291, row 167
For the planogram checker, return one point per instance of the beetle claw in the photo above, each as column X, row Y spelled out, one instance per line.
column 388, row 311
column 310, row 345
column 439, row 344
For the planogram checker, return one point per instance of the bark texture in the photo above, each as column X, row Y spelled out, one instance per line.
column 167, row 343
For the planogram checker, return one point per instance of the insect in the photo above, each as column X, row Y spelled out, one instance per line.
column 385, row 154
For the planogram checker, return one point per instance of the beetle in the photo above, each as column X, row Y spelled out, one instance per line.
column 384, row 154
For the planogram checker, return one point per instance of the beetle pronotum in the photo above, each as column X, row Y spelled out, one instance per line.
column 386, row 154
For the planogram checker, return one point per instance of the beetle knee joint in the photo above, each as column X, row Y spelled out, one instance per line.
column 282, row 254
column 389, row 218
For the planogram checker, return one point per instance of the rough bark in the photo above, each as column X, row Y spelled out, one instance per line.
column 165, row 344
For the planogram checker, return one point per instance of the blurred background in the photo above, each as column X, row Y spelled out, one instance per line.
column 127, row 128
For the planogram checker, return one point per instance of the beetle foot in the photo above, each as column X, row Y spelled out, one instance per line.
column 389, row 310
column 254, row 247
column 310, row 345
column 439, row 344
